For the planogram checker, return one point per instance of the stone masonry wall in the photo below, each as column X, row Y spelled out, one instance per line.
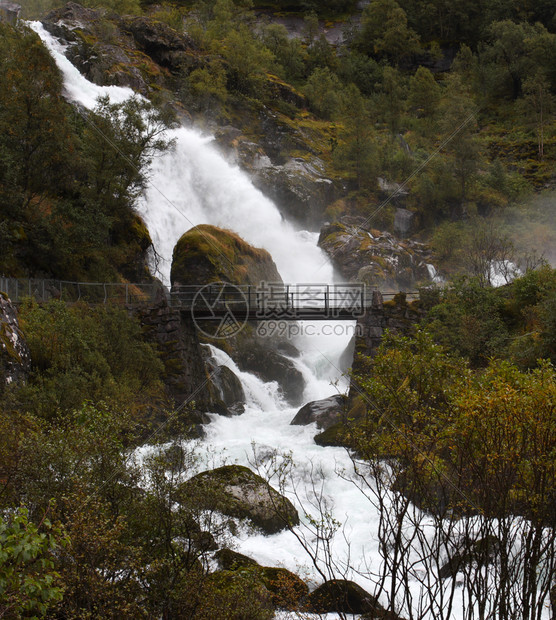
column 398, row 316
column 186, row 376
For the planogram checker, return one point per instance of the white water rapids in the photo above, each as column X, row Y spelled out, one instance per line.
column 193, row 184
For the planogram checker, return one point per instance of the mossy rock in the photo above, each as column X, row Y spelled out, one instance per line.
column 288, row 590
column 236, row 491
column 333, row 436
column 208, row 254
column 232, row 560
column 343, row 596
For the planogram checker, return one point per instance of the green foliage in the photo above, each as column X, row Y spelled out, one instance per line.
column 51, row 224
column 133, row 128
column 206, row 88
column 514, row 322
column 235, row 594
column 389, row 100
column 247, row 61
column 323, row 90
column 81, row 353
column 515, row 50
column 424, row 94
column 356, row 151
column 361, row 70
column 29, row 583
column 464, row 441
column 385, row 32
column 34, row 134
column 287, row 52
column 470, row 321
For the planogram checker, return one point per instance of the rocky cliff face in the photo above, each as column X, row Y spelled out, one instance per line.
column 376, row 258
column 124, row 51
column 15, row 358
column 299, row 185
column 283, row 155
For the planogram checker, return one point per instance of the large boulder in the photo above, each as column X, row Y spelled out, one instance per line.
column 228, row 594
column 269, row 365
column 167, row 47
column 288, row 590
column 15, row 358
column 342, row 596
column 325, row 412
column 236, row 491
column 207, row 254
column 375, row 257
column 227, row 559
column 480, row 552
column 299, row 187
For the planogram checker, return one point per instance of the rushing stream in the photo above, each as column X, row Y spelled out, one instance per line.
column 193, row 184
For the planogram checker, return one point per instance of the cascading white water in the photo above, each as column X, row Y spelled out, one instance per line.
column 191, row 185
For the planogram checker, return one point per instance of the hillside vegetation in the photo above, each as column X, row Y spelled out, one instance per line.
column 445, row 109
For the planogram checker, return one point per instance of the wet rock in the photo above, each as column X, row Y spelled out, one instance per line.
column 136, row 52
column 163, row 44
column 226, row 384
column 342, row 596
column 298, row 187
column 333, row 436
column 195, row 421
column 286, row 348
column 236, row 491
column 270, row 365
column 482, row 552
column 232, row 560
column 230, row 594
column 185, row 372
column 403, row 222
column 375, row 257
column 9, row 12
column 325, row 412
column 15, row 357
column 287, row 589
column 346, row 358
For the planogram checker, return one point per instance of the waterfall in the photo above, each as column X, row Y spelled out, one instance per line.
column 193, row 184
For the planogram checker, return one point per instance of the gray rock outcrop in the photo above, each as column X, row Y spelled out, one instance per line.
column 375, row 257
column 15, row 358
column 325, row 412
column 343, row 596
column 227, row 385
column 269, row 365
column 236, row 491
